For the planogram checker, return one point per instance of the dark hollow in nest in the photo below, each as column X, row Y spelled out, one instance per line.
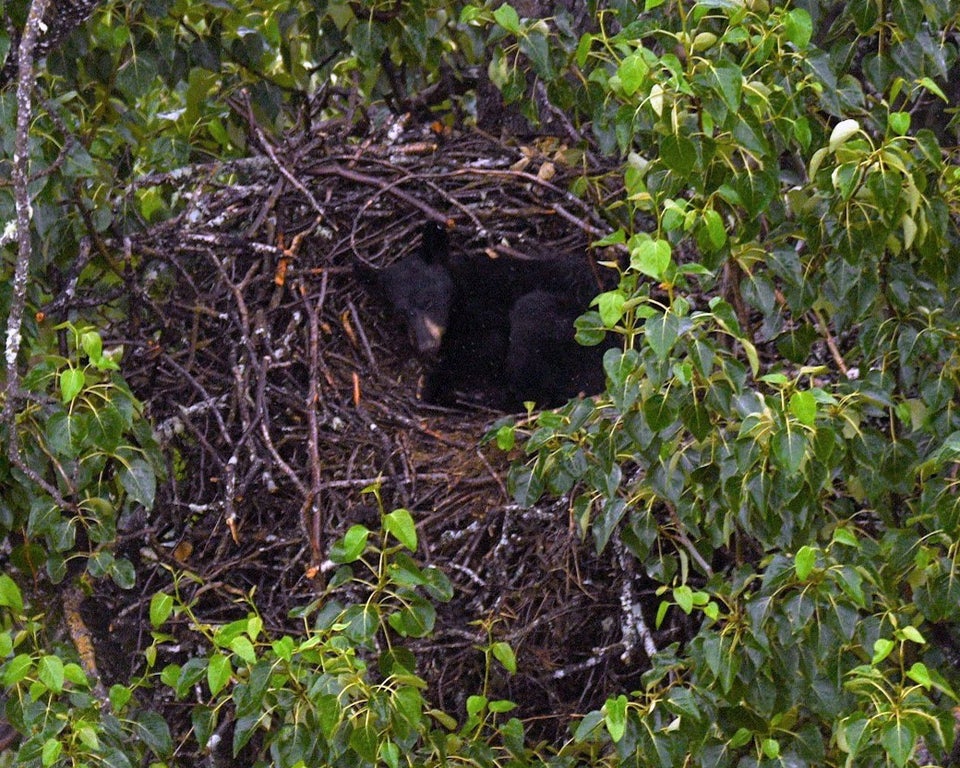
column 281, row 391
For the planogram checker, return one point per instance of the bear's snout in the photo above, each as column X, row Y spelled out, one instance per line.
column 425, row 335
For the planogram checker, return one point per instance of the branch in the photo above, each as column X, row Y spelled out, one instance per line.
column 65, row 17
column 21, row 193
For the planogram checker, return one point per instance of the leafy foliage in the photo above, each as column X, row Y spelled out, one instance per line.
column 800, row 222
column 85, row 430
column 777, row 448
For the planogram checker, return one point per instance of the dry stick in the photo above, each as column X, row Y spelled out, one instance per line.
column 83, row 640
column 824, row 331
column 633, row 624
column 831, row 344
column 21, row 193
column 314, row 525
column 361, row 178
column 589, row 229
column 425, row 179
column 245, row 96
column 250, row 418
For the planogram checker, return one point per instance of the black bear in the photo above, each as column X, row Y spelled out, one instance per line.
column 498, row 328
column 544, row 361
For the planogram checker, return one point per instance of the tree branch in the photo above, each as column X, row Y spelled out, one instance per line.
column 21, row 175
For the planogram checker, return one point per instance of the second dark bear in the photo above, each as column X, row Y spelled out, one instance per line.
column 499, row 328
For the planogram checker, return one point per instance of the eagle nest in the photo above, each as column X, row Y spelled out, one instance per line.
column 282, row 391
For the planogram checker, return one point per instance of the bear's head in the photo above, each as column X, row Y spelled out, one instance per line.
column 420, row 289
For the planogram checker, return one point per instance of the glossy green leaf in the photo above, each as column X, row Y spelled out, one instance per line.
column 679, row 154
column 400, row 524
column 898, row 741
column 803, row 405
column 805, row 561
column 662, row 332
column 10, row 594
column 139, row 481
column 219, row 671
column 503, row 653
column 651, row 257
column 798, row 27
column 72, row 382
column 50, row 673
column 507, row 17
column 790, row 448
column 632, row 71
column 615, row 717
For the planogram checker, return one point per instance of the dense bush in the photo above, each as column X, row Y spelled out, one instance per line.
column 779, row 444
column 777, row 448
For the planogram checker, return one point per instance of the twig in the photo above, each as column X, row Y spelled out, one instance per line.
column 831, row 343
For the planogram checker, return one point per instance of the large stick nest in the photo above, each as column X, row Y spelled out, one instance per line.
column 282, row 390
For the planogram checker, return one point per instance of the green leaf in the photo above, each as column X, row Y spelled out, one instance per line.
column 50, row 673
column 771, row 748
column 716, row 232
column 659, row 411
column 798, row 27
column 72, row 381
column 353, row 545
column 661, row 333
column 219, row 671
column 10, row 594
column 931, row 86
column 17, row 669
column 92, row 344
column 503, row 653
column 153, row 731
column 120, row 696
column 51, row 751
column 390, row 754
column 842, row 131
column 805, row 561
column 679, row 154
column 632, row 71
column 898, row 123
column 507, row 17
column 161, row 606
column 882, row 647
column 898, row 741
column 727, row 82
column 400, row 524
column 244, row 649
column 740, row 738
column 415, row 619
column 920, row 674
column 123, row 573
column 506, row 437
column 911, row 633
column 615, row 717
column 651, row 257
column 683, row 597
column 139, row 481
column 803, row 405
column 789, row 448
column 476, row 705
column 610, row 306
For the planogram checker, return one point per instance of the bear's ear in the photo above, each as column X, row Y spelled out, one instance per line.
column 434, row 243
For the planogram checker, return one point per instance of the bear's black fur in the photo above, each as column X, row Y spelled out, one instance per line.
column 544, row 361
column 500, row 328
